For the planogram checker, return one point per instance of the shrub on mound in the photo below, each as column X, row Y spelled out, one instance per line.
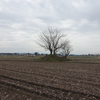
column 53, row 58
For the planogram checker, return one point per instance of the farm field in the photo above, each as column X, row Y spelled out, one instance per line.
column 24, row 79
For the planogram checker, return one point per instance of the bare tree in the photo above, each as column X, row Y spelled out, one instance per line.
column 66, row 49
column 52, row 40
column 45, row 41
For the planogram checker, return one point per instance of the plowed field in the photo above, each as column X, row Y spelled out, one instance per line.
column 25, row 80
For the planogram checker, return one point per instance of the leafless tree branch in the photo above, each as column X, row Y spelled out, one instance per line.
column 52, row 40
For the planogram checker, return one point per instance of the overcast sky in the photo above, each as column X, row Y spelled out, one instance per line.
column 21, row 21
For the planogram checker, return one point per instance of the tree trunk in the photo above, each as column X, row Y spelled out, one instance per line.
column 54, row 53
column 50, row 52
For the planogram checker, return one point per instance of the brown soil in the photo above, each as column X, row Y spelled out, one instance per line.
column 24, row 80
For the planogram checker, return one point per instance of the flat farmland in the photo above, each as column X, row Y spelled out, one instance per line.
column 23, row 79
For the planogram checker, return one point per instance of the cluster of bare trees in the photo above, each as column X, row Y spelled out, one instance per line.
column 55, row 41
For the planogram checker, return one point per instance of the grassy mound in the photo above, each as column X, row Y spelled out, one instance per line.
column 53, row 58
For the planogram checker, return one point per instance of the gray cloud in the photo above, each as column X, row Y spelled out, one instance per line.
column 22, row 20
